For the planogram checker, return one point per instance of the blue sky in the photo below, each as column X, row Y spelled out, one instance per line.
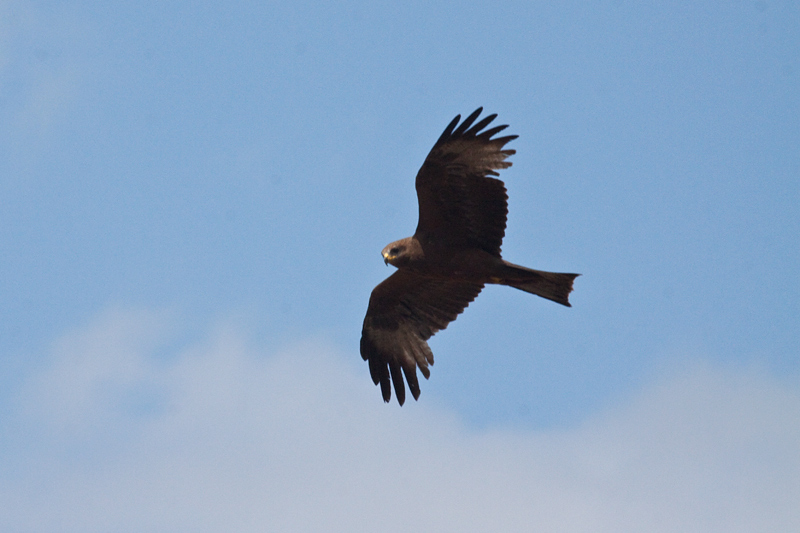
column 193, row 198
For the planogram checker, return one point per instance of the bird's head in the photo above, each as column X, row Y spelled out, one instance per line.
column 395, row 253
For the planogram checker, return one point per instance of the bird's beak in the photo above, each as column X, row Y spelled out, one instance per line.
column 385, row 259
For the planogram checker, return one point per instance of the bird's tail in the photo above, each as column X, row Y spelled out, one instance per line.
column 550, row 285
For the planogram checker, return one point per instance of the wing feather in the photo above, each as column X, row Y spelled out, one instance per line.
column 459, row 202
column 404, row 311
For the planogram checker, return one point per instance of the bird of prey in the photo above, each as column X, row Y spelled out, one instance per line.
column 454, row 252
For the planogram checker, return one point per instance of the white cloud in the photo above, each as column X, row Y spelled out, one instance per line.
column 42, row 68
column 120, row 433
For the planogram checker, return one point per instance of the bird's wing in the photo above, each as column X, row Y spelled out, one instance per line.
column 404, row 311
column 459, row 203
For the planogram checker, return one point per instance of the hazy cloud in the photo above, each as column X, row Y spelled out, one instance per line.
column 119, row 431
column 42, row 68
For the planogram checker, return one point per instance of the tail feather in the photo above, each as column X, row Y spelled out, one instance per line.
column 551, row 285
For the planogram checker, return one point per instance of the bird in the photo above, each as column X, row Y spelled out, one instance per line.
column 453, row 254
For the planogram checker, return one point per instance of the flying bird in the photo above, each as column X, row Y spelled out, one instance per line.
column 454, row 252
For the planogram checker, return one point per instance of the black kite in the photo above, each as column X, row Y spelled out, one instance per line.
column 452, row 255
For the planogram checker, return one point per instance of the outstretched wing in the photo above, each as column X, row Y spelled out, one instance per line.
column 459, row 203
column 404, row 311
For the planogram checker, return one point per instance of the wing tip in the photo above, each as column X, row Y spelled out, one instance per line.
column 469, row 129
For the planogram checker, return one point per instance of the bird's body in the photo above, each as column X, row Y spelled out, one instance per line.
column 432, row 260
column 454, row 252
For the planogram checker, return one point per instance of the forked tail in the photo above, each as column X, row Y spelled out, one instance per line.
column 550, row 285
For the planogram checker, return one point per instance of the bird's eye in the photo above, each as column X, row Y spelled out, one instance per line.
column 394, row 251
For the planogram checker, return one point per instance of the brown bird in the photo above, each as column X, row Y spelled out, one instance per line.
column 452, row 255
